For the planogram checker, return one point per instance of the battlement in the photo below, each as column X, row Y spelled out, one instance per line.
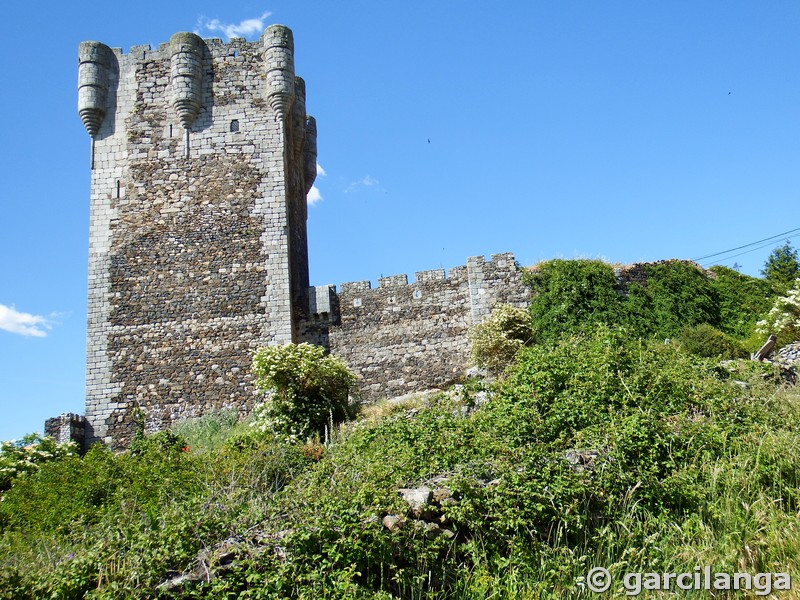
column 498, row 263
column 406, row 336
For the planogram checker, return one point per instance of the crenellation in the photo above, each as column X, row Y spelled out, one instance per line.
column 393, row 281
column 430, row 276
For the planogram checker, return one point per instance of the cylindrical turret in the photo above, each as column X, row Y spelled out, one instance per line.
column 279, row 63
column 186, row 75
column 299, row 118
column 310, row 153
column 94, row 63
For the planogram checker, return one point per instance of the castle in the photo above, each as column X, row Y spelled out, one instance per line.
column 201, row 159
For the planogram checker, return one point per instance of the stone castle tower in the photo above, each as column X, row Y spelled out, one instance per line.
column 201, row 159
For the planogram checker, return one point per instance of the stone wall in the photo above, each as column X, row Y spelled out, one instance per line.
column 400, row 337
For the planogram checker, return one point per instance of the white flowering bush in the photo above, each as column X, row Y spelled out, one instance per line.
column 496, row 341
column 306, row 390
column 22, row 457
column 783, row 319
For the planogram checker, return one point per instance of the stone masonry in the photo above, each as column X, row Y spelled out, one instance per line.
column 202, row 156
column 400, row 337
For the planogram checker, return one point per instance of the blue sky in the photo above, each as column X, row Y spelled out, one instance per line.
column 614, row 129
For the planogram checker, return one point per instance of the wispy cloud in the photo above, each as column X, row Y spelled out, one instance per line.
column 314, row 195
column 365, row 182
column 245, row 28
column 23, row 323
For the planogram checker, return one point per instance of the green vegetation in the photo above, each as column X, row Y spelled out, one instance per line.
column 782, row 266
column 309, row 391
column 19, row 458
column 783, row 319
column 601, row 446
column 575, row 295
column 496, row 341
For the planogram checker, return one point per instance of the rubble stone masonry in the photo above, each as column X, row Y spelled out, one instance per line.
column 198, row 234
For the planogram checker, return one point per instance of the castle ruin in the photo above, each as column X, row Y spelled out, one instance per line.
column 202, row 155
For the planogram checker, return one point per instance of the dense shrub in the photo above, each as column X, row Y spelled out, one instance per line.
column 570, row 294
column 495, row 342
column 309, row 391
column 677, row 295
column 575, row 295
column 21, row 457
column 742, row 300
column 783, row 319
column 706, row 340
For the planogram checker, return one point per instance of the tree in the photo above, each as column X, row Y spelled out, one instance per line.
column 782, row 266
column 308, row 390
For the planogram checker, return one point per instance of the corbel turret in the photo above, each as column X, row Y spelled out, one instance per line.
column 94, row 63
column 310, row 153
column 279, row 63
column 299, row 119
column 186, row 78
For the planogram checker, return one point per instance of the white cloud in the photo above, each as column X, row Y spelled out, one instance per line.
column 245, row 28
column 313, row 195
column 365, row 182
column 23, row 323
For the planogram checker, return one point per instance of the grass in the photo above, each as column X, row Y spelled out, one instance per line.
column 692, row 469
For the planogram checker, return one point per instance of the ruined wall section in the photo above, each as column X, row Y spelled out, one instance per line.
column 190, row 265
column 401, row 338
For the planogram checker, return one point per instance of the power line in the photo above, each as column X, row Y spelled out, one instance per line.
column 770, row 240
column 754, row 249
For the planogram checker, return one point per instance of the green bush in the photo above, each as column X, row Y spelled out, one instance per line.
column 742, row 300
column 495, row 342
column 310, row 392
column 708, row 341
column 677, row 295
column 211, row 431
column 783, row 319
column 25, row 456
column 570, row 294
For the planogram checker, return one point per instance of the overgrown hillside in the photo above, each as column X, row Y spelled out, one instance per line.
column 600, row 446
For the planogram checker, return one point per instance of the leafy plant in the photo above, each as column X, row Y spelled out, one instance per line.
column 742, row 300
column 495, row 342
column 783, row 319
column 708, row 341
column 309, row 391
column 570, row 294
column 22, row 457
column 678, row 294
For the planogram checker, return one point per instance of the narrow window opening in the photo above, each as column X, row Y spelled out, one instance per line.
column 170, row 131
column 235, row 125
column 118, row 188
column 235, row 53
